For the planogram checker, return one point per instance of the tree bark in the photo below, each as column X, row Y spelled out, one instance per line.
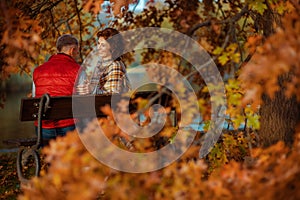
column 278, row 117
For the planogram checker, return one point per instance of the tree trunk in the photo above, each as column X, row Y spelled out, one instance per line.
column 278, row 118
column 280, row 115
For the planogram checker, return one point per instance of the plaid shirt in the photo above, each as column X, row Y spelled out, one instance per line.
column 109, row 79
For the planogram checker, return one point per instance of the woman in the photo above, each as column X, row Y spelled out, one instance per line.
column 110, row 74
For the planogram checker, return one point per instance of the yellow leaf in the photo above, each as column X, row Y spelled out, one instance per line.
column 223, row 59
column 57, row 180
column 218, row 51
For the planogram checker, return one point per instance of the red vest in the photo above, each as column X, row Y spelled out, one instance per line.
column 56, row 77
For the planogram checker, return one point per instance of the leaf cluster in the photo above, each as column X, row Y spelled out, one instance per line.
column 75, row 174
column 278, row 57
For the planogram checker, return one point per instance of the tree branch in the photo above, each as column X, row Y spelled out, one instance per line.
column 38, row 9
column 197, row 26
column 52, row 21
column 209, row 22
column 80, row 28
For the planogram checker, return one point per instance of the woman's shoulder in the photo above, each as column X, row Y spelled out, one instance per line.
column 117, row 65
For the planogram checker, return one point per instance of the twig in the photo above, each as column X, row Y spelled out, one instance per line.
column 80, row 27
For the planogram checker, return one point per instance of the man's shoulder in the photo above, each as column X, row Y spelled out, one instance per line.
column 40, row 67
column 50, row 67
column 59, row 59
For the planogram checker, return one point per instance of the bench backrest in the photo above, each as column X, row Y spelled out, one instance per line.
column 62, row 107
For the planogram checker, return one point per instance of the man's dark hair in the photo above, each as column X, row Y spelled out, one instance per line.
column 115, row 40
column 66, row 40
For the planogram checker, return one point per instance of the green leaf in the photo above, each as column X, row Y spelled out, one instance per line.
column 258, row 5
column 253, row 121
column 235, row 99
column 238, row 120
column 235, row 57
column 167, row 23
column 223, row 59
column 218, row 51
column 281, row 8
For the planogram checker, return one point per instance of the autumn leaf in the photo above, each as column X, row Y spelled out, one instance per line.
column 258, row 5
column 223, row 59
column 93, row 6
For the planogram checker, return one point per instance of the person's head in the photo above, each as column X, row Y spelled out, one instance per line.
column 110, row 43
column 67, row 44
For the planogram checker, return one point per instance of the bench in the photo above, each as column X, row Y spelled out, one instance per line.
column 55, row 108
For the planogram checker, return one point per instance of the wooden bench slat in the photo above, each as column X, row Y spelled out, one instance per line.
column 61, row 107
column 26, row 142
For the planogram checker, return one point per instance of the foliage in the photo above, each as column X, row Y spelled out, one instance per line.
column 222, row 28
column 232, row 146
column 75, row 174
column 280, row 50
column 68, row 158
column 252, row 62
column 10, row 186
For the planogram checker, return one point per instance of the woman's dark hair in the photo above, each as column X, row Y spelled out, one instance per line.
column 115, row 40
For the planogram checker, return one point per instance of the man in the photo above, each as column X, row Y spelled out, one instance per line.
column 57, row 77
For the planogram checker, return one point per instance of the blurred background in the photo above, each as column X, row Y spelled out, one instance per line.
column 15, row 88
